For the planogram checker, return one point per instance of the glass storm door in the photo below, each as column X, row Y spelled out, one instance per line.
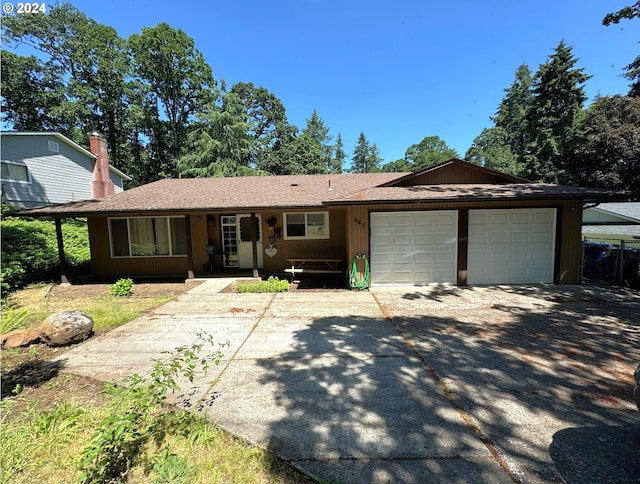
column 229, row 227
column 236, row 241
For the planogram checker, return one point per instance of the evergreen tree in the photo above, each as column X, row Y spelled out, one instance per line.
column 512, row 112
column 558, row 98
column 319, row 132
column 361, row 155
column 632, row 71
column 339, row 157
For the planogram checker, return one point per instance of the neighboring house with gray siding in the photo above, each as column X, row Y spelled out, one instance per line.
column 619, row 219
column 46, row 168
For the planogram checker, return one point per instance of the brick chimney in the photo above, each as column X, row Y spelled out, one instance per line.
column 101, row 185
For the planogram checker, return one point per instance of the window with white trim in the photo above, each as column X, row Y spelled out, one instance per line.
column 148, row 236
column 306, row 225
column 15, row 172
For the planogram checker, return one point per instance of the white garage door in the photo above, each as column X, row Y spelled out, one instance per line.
column 413, row 248
column 514, row 246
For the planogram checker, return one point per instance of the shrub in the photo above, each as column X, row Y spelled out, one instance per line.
column 121, row 288
column 138, row 416
column 30, row 251
column 273, row 284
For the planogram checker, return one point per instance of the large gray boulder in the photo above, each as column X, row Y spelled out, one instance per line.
column 636, row 387
column 65, row 328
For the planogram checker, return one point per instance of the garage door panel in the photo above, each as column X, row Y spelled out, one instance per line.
column 517, row 247
column 423, row 251
column 423, row 239
column 403, row 239
column 424, row 257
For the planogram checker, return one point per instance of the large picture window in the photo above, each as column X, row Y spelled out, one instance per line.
column 15, row 172
column 148, row 236
column 306, row 225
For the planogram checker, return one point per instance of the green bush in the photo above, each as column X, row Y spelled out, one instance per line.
column 121, row 288
column 30, row 251
column 273, row 284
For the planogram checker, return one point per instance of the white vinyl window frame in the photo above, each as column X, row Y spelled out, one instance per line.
column 164, row 228
column 8, row 166
column 306, row 225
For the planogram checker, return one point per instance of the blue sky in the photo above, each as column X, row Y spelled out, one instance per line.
column 397, row 71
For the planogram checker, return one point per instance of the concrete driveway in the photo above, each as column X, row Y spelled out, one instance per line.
column 425, row 384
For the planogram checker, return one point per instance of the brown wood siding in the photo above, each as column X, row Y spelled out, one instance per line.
column 453, row 174
column 570, row 247
column 333, row 248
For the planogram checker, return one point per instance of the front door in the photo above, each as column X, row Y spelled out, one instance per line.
column 237, row 241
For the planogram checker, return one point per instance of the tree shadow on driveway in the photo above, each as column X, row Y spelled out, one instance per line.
column 366, row 399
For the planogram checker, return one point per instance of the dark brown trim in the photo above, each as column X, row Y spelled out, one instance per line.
column 190, row 273
column 63, row 263
column 463, row 245
column 558, row 245
column 254, row 244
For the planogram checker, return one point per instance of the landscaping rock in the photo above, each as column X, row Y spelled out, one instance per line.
column 66, row 327
column 20, row 337
column 636, row 387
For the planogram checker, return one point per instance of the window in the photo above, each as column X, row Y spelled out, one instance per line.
column 148, row 236
column 15, row 172
column 306, row 225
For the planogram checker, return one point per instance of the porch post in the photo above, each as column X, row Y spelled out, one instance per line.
column 187, row 220
column 63, row 263
column 254, row 243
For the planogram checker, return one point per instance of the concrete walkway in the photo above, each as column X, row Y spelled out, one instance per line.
column 392, row 386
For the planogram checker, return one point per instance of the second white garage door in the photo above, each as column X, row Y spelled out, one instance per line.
column 511, row 246
column 413, row 248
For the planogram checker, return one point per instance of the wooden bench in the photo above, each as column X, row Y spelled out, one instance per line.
column 314, row 266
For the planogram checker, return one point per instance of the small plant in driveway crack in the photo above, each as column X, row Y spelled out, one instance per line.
column 137, row 414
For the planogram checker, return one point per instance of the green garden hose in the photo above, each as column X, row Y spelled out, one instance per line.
column 354, row 281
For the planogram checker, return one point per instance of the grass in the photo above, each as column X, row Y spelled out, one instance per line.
column 48, row 418
column 107, row 311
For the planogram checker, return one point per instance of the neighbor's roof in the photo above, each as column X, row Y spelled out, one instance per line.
column 291, row 191
column 67, row 141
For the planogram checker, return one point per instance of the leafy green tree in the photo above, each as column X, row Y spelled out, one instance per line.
column 556, row 108
column 339, row 157
column 88, row 66
column 492, row 148
column 179, row 84
column 398, row 166
column 32, row 94
column 430, row 151
column 608, row 154
column 265, row 116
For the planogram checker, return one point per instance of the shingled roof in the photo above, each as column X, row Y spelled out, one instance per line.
column 254, row 193
column 234, row 193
